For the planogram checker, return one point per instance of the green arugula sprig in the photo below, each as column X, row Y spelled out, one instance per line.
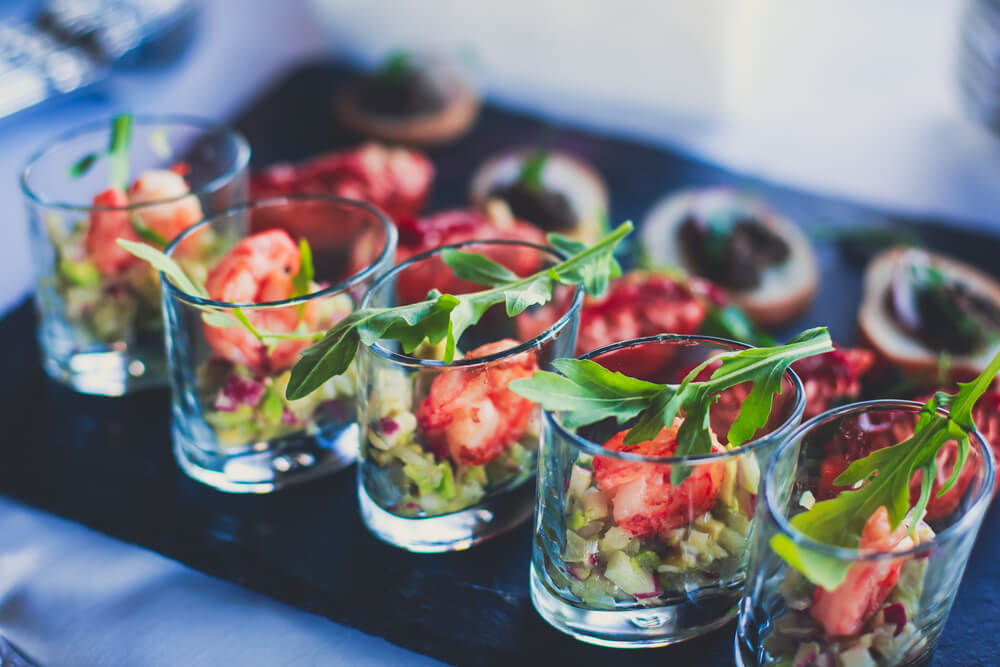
column 444, row 317
column 885, row 476
column 531, row 169
column 584, row 392
column 118, row 147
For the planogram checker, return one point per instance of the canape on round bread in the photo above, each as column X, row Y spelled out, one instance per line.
column 894, row 319
column 551, row 189
column 772, row 292
column 409, row 100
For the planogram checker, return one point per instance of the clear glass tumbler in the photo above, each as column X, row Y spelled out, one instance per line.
column 233, row 428
column 448, row 452
column 892, row 606
column 622, row 557
column 99, row 317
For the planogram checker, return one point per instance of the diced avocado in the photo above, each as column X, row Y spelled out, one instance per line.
column 79, row 272
column 632, row 548
column 427, row 478
column 733, row 542
column 447, row 487
column 647, row 559
column 594, row 504
column 629, row 576
column 749, row 472
column 472, row 474
column 707, row 524
column 729, row 481
column 856, row 657
column 576, row 520
column 578, row 550
column 615, row 539
column 272, row 408
column 579, row 481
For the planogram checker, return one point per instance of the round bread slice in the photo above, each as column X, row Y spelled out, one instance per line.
column 421, row 129
column 880, row 330
column 579, row 182
column 786, row 290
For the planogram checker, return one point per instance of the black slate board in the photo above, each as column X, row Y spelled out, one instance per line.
column 107, row 463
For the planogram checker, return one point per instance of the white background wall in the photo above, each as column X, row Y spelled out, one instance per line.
column 849, row 97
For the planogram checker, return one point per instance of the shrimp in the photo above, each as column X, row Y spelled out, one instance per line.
column 643, row 501
column 844, row 610
column 258, row 269
column 108, row 223
column 170, row 218
column 469, row 415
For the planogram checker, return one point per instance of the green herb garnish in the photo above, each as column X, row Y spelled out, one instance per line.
column 585, row 393
column 121, row 139
column 532, row 168
column 885, row 475
column 302, row 280
column 394, row 70
column 731, row 322
column 118, row 146
column 444, row 317
column 146, row 233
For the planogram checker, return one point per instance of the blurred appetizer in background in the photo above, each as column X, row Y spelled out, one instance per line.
column 417, row 235
column 397, row 181
column 409, row 99
column 930, row 316
column 553, row 190
column 764, row 260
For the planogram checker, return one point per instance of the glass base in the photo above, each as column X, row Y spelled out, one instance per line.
column 107, row 373
column 449, row 532
column 271, row 465
column 633, row 628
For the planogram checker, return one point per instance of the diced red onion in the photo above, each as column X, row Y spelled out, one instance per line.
column 895, row 613
column 388, row 425
column 239, row 391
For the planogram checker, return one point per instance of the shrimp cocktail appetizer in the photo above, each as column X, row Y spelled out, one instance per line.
column 867, row 516
column 144, row 180
column 233, row 337
column 648, row 482
column 448, row 451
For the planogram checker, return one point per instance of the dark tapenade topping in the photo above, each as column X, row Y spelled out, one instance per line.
column 401, row 88
column 946, row 315
column 529, row 199
column 731, row 251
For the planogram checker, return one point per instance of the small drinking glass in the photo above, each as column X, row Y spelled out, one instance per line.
column 448, row 452
column 893, row 605
column 621, row 556
column 99, row 318
column 233, row 428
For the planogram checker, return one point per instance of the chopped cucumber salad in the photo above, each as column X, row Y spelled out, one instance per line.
column 605, row 566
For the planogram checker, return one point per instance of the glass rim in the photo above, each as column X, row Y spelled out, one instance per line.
column 157, row 120
column 963, row 524
column 536, row 341
column 388, row 249
column 597, row 449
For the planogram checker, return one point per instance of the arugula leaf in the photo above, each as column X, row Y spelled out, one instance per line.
column 302, row 280
column 532, row 168
column 594, row 275
column 118, row 145
column 445, row 316
column 886, row 475
column 731, row 322
column 164, row 264
column 121, row 138
column 83, row 165
column 477, row 268
column 146, row 233
column 394, row 69
column 586, row 393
